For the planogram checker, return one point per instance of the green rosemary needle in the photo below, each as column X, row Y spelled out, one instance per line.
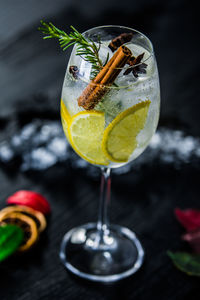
column 87, row 49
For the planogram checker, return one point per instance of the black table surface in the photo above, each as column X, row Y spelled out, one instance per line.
column 31, row 75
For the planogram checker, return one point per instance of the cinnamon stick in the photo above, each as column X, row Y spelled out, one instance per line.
column 97, row 88
column 120, row 40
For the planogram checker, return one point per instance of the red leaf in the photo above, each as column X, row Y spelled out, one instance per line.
column 193, row 238
column 31, row 199
column 189, row 218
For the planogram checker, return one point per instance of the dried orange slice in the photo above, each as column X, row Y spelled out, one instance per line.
column 37, row 216
column 26, row 224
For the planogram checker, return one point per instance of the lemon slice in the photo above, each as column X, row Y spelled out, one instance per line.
column 64, row 112
column 85, row 135
column 119, row 139
column 65, row 118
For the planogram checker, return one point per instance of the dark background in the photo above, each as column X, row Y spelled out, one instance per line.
column 31, row 75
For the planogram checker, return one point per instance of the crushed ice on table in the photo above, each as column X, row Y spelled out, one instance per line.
column 6, row 152
column 167, row 146
column 42, row 144
column 38, row 159
column 175, row 145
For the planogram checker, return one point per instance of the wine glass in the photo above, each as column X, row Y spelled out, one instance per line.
column 109, row 116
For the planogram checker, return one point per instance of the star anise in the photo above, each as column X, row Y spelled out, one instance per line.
column 136, row 67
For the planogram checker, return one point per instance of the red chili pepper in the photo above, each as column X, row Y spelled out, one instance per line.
column 31, row 199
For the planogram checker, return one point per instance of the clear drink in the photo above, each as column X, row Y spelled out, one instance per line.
column 127, row 92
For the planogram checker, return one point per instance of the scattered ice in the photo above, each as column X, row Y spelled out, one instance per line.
column 28, row 130
column 6, row 152
column 52, row 128
column 167, row 157
column 155, row 141
column 79, row 163
column 46, row 132
column 38, row 159
column 167, row 146
column 175, row 145
column 41, row 145
column 58, row 146
column 16, row 142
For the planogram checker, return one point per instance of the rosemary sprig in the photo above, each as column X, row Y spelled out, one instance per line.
column 88, row 50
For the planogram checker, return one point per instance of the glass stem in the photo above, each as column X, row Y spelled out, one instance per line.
column 102, row 224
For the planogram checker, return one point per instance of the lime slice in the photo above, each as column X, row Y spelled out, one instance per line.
column 119, row 139
column 85, row 135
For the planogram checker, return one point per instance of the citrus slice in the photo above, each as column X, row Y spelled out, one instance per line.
column 85, row 135
column 26, row 224
column 64, row 112
column 37, row 216
column 65, row 118
column 119, row 139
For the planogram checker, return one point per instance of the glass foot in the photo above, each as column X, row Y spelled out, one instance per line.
column 108, row 258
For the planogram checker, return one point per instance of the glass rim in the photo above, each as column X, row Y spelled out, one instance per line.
column 131, row 29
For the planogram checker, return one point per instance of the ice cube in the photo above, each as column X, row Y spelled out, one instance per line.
column 59, row 146
column 16, row 142
column 6, row 152
column 84, row 67
column 85, row 70
column 28, row 130
column 105, row 53
column 38, row 159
